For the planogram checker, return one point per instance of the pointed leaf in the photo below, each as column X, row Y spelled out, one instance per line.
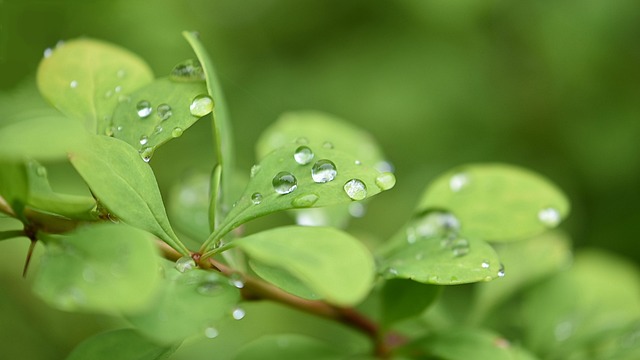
column 105, row 268
column 403, row 299
column 121, row 344
column 331, row 263
column 497, row 202
column 84, row 79
column 288, row 347
column 187, row 303
column 14, row 187
column 126, row 186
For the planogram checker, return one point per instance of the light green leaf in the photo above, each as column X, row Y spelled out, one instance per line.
column 157, row 113
column 214, row 192
column 497, row 202
column 121, row 344
column 14, row 187
column 43, row 138
column 126, row 186
column 402, row 299
column 84, row 78
column 284, row 279
column 187, row 303
column 288, row 347
column 188, row 205
column 104, row 268
column 331, row 263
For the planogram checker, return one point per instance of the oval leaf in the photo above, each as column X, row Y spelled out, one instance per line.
column 334, row 265
column 288, row 347
column 105, row 268
column 122, row 344
column 403, row 299
column 84, row 79
column 126, row 186
column 497, row 202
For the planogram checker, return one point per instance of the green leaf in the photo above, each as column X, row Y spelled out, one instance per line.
column 156, row 113
column 188, row 205
column 84, row 79
column 331, row 263
column 284, row 279
column 104, row 268
column 121, row 344
column 14, row 188
column 214, row 193
column 288, row 347
column 403, row 299
column 221, row 121
column 187, row 303
column 126, row 186
column 497, row 202
column 43, row 138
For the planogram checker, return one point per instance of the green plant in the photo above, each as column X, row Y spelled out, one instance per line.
column 116, row 253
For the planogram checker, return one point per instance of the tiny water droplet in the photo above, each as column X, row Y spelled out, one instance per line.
column 460, row 247
column 550, row 217
column 201, row 105
column 358, row 162
column 121, row 73
column 144, row 140
column 393, row 271
column 485, row 264
column 254, row 170
column 211, row 332
column 185, row 264
column 302, row 141
column 284, row 182
column 236, row 280
column 119, row 128
column 176, row 132
column 146, row 153
column 306, row 200
column 324, row 171
column 118, row 89
column 188, row 70
column 327, row 145
column 108, row 94
column 256, row 198
column 432, row 224
column 303, row 155
column 501, row 271
column 143, row 108
column 164, row 111
column 73, row 84
column 238, row 313
column 48, row 52
column 157, row 130
column 458, row 181
column 356, row 209
column 386, row 181
column 41, row 171
column 355, row 189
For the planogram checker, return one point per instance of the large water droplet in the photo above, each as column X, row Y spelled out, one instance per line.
column 146, row 153
column 355, row 189
column 254, row 170
column 188, row 70
column 164, row 112
column 432, row 224
column 144, row 140
column 303, row 155
column 144, row 109
column 284, row 182
column 256, row 198
column 386, row 181
column 201, row 105
column 176, row 132
column 323, row 171
column 458, row 181
column 185, row 264
column 460, row 247
column 73, row 84
column 211, row 332
column 306, row 200
column 550, row 217
column 238, row 313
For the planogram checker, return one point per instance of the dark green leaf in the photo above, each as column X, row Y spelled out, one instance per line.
column 105, row 268
column 126, row 186
column 121, row 344
column 14, row 188
column 288, row 347
column 85, row 78
column 403, row 299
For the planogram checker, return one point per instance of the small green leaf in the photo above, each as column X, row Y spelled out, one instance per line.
column 187, row 303
column 403, row 299
column 105, row 268
column 497, row 202
column 85, row 78
column 331, row 263
column 188, row 206
column 156, row 113
column 126, row 186
column 121, row 344
column 288, row 347
column 14, row 187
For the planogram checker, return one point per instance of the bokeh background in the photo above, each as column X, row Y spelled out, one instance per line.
column 552, row 85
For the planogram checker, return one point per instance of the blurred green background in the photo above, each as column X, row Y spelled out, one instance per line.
column 551, row 85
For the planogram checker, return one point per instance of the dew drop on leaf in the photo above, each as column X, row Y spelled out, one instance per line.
column 144, row 109
column 501, row 271
column 238, row 313
column 48, row 52
column 284, row 182
column 158, row 130
column 118, row 89
column 188, row 70
column 176, row 132
column 211, row 332
column 41, row 171
column 108, row 94
column 306, row 200
column 327, row 145
column 256, row 198
column 458, row 181
column 254, row 170
column 185, row 264
column 164, row 112
column 324, row 171
column 460, row 247
column 355, row 189
column 236, row 281
column 146, row 153
column 550, row 217
column 73, row 84
column 144, row 140
column 485, row 264
column 201, row 105
column 432, row 224
column 303, row 155
column 386, row 181
column 121, row 73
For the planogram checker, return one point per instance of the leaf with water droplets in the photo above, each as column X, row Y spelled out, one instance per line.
column 186, row 304
column 105, row 268
column 497, row 202
column 121, row 344
column 402, row 299
column 85, row 78
column 126, row 186
column 289, row 347
column 319, row 257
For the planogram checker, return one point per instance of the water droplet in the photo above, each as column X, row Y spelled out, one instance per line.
column 164, row 111
column 485, row 264
column 302, row 141
column 358, row 162
column 188, row 70
column 144, row 108
column 306, row 200
column 323, row 171
column 121, row 73
column 41, row 171
column 113, row 218
column 176, row 132
column 327, row 145
column 549, row 217
column 48, row 52
column 118, row 89
column 460, row 247
column 144, row 140
column 284, row 182
column 386, row 181
column 355, row 189
column 201, row 105
column 146, row 153
column 185, row 264
column 303, row 155
column 356, row 210
column 254, row 170
column 393, row 271
column 73, row 84
column 256, row 198
column 211, row 332
column 108, row 94
column 432, row 224
column 458, row 181
column 236, row 280
column 501, row 271
column 119, row 128
column 238, row 313
column 157, row 130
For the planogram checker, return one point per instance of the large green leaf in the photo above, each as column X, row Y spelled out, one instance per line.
column 288, row 347
column 121, row 344
column 105, row 268
column 497, row 202
column 85, row 79
column 157, row 113
column 14, row 187
column 187, row 303
column 403, row 299
column 126, row 186
column 331, row 263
